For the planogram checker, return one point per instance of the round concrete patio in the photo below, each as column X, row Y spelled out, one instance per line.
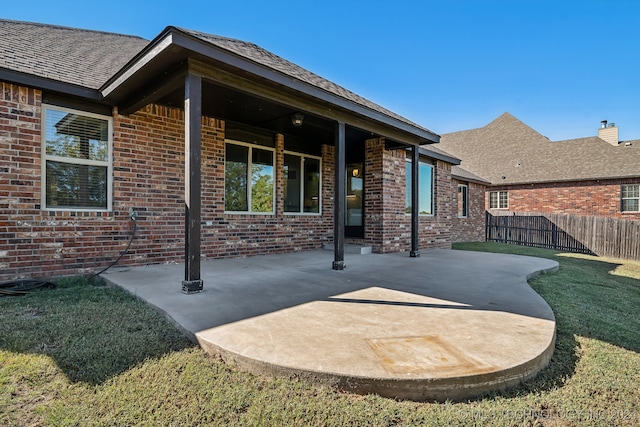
column 449, row 325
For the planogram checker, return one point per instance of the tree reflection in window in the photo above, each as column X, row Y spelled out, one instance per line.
column 262, row 181
column 244, row 193
column 235, row 175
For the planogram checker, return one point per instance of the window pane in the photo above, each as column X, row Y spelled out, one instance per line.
column 425, row 187
column 493, row 199
column 235, row 178
column 408, row 186
column 504, row 202
column 355, row 182
column 631, row 205
column 292, row 179
column 462, row 200
column 75, row 136
column 76, row 186
column 311, row 185
column 630, row 191
column 262, row 181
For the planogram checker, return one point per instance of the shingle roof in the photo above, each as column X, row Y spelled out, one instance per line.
column 261, row 56
column 464, row 175
column 70, row 55
column 89, row 58
column 507, row 151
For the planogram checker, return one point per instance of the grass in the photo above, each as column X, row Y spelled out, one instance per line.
column 85, row 354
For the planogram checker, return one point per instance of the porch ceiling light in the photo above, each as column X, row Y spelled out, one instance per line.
column 297, row 119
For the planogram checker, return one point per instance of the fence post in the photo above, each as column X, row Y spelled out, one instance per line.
column 486, row 225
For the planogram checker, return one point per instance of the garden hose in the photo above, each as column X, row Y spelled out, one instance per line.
column 23, row 286
column 133, row 217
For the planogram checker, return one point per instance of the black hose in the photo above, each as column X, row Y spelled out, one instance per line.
column 133, row 235
column 23, row 286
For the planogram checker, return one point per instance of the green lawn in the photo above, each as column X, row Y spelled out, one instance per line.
column 85, row 354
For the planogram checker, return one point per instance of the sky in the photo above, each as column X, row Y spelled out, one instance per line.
column 560, row 66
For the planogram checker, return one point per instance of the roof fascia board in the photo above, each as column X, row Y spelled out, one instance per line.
column 469, row 179
column 31, row 80
column 309, row 105
column 438, row 156
column 159, row 44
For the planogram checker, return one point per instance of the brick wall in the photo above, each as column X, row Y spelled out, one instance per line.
column 387, row 226
column 597, row 198
column 35, row 243
column 148, row 177
column 471, row 228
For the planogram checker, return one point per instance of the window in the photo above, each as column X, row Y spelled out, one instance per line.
column 425, row 188
column 499, row 200
column 301, row 184
column 463, row 200
column 77, row 166
column 630, row 198
column 249, row 178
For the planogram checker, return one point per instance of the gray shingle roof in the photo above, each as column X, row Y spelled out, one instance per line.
column 89, row 58
column 261, row 56
column 70, row 55
column 507, row 151
column 464, row 175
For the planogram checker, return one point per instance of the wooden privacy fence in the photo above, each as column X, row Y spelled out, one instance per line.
column 602, row 236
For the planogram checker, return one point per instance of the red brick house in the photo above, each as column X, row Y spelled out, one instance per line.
column 596, row 176
column 206, row 147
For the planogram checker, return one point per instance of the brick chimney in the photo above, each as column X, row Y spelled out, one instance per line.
column 608, row 132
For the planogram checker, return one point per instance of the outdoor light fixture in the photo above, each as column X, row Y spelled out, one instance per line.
column 356, row 172
column 297, row 119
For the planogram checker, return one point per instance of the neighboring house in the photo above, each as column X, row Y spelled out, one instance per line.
column 597, row 175
column 214, row 146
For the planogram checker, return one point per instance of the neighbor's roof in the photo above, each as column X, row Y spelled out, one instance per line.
column 507, row 151
column 462, row 174
column 70, row 55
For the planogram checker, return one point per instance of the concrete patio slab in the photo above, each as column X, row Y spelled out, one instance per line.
column 448, row 325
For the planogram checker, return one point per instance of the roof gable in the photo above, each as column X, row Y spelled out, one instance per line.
column 261, row 56
column 94, row 65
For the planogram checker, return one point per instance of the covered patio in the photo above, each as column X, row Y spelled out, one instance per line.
column 450, row 325
column 255, row 93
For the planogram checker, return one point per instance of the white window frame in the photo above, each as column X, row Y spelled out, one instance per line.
column 46, row 158
column 498, row 193
column 249, row 164
column 465, row 201
column 622, row 198
column 433, row 185
column 302, row 159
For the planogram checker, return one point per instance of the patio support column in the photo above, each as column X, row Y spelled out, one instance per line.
column 415, row 208
column 192, row 182
column 339, row 199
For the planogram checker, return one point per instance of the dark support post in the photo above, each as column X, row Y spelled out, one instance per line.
column 415, row 208
column 339, row 197
column 192, row 182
